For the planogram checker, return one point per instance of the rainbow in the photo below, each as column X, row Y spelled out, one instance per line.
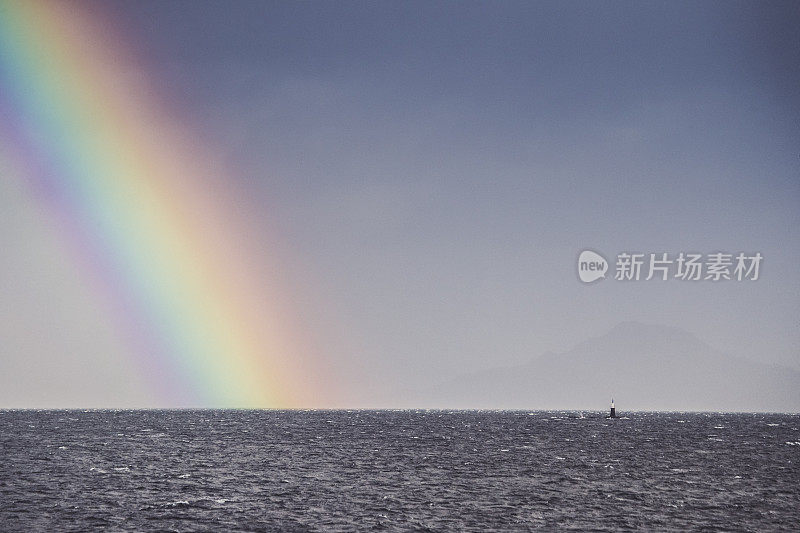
column 147, row 213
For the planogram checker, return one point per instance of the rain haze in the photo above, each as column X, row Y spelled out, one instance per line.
column 422, row 177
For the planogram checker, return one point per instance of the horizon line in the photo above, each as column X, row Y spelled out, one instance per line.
column 397, row 409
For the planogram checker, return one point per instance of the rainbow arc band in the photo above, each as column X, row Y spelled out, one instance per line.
column 150, row 222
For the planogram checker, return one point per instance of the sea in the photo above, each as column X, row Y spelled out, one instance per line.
column 405, row 470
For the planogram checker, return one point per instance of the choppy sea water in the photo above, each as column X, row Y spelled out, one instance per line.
column 396, row 470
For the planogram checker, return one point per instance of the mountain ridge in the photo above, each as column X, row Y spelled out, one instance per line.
column 643, row 366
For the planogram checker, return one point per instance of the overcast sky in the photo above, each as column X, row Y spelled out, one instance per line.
column 433, row 169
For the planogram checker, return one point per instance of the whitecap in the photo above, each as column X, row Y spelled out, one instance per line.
column 177, row 503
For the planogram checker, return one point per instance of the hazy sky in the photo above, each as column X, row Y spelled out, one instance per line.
column 432, row 170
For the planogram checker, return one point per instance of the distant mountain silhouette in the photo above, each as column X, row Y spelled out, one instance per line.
column 642, row 366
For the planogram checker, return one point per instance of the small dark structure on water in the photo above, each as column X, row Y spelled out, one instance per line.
column 613, row 410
